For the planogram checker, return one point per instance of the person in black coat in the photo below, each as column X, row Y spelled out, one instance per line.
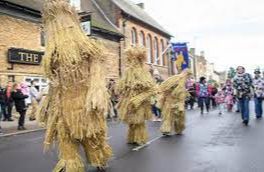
column 20, row 104
column 2, row 102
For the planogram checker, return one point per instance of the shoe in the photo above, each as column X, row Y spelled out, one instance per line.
column 166, row 134
column 21, row 128
column 259, row 117
column 10, row 120
column 220, row 113
column 245, row 122
column 159, row 120
column 4, row 119
column 237, row 111
column 101, row 169
column 32, row 119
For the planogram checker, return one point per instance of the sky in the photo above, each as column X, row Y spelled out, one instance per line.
column 231, row 32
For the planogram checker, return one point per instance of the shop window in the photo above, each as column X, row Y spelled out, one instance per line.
column 11, row 78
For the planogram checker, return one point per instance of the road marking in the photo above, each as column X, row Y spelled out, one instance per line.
column 22, row 132
column 157, row 138
column 148, row 143
column 36, row 139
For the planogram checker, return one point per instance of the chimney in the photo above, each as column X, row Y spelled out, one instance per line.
column 141, row 5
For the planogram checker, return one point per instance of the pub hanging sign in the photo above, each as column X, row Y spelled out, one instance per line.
column 17, row 55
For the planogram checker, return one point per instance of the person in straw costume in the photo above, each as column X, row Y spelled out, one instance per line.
column 74, row 108
column 173, row 94
column 135, row 90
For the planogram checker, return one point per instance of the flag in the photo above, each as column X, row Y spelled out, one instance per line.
column 180, row 56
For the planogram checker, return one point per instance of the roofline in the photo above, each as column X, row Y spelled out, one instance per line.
column 24, row 9
column 137, row 19
column 108, row 32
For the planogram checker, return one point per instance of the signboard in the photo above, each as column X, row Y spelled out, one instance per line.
column 86, row 26
column 180, row 56
column 17, row 55
column 86, row 22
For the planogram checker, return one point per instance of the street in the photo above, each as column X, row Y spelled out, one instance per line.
column 211, row 143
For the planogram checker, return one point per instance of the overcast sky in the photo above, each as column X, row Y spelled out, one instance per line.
column 231, row 32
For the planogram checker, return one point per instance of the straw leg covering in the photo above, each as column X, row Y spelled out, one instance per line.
column 97, row 150
column 137, row 133
column 167, row 122
column 179, row 122
column 70, row 160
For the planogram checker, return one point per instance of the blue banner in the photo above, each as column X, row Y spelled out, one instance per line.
column 180, row 56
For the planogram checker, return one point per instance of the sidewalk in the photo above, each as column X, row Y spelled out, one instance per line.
column 10, row 128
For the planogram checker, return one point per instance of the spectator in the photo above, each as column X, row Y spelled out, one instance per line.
column 19, row 99
column 258, row 83
column 190, row 85
column 9, row 102
column 25, row 91
column 220, row 100
column 229, row 92
column 35, row 98
column 243, row 85
column 113, row 97
column 213, row 93
column 154, row 100
column 203, row 95
column 2, row 102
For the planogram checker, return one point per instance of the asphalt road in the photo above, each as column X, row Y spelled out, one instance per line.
column 211, row 143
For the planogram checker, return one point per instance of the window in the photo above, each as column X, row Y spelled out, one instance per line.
column 156, row 51
column 142, row 39
column 162, row 60
column 76, row 4
column 149, row 48
column 11, row 78
column 133, row 36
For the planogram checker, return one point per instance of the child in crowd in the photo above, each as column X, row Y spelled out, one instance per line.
column 229, row 91
column 220, row 100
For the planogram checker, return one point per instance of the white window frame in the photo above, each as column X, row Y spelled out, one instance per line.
column 133, row 37
column 156, row 51
column 149, row 48
column 162, row 51
column 142, row 39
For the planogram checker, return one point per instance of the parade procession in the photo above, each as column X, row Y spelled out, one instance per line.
column 100, row 85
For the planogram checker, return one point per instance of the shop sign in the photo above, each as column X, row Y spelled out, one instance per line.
column 17, row 55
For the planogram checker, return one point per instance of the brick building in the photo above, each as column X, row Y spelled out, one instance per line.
column 22, row 40
column 118, row 24
column 141, row 29
column 20, row 28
